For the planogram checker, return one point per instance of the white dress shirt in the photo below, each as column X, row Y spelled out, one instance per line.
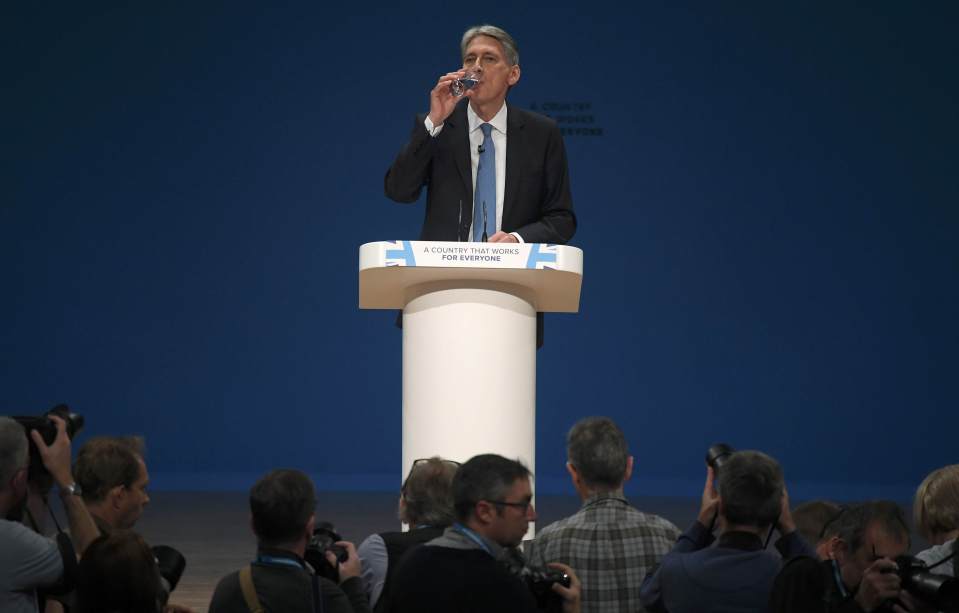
column 498, row 134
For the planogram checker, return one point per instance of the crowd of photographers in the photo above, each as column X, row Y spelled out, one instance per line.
column 464, row 548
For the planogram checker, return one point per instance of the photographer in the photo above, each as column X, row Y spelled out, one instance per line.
column 282, row 506
column 738, row 573
column 858, row 575
column 466, row 568
column 27, row 560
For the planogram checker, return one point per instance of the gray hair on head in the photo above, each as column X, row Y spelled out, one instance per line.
column 596, row 447
column 509, row 45
column 13, row 449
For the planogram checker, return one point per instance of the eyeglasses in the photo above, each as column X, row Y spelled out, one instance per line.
column 452, row 463
column 522, row 506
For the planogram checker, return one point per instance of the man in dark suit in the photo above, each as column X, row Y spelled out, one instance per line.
column 451, row 144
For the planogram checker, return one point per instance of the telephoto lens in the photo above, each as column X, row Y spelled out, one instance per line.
column 717, row 454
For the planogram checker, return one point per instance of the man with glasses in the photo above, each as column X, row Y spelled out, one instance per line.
column 463, row 569
column 426, row 506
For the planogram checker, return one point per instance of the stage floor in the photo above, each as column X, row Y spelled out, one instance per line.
column 212, row 529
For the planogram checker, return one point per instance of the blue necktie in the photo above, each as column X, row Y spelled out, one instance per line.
column 485, row 187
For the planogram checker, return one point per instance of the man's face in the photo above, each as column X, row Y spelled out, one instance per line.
column 511, row 519
column 485, row 53
column 877, row 543
column 133, row 499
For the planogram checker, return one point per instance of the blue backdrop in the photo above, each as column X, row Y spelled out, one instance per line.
column 767, row 198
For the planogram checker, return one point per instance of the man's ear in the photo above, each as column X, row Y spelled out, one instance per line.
column 629, row 469
column 19, row 480
column 835, row 549
column 116, row 495
column 573, row 474
column 310, row 527
column 513, row 77
column 485, row 512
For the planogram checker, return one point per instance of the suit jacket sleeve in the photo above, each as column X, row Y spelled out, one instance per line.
column 557, row 222
column 410, row 170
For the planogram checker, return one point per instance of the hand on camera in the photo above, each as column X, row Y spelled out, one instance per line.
column 785, row 524
column 709, row 507
column 56, row 457
column 350, row 567
column 879, row 584
column 570, row 595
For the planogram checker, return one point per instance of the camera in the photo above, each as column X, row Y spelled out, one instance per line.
column 539, row 581
column 37, row 474
column 717, row 454
column 324, row 539
column 939, row 591
column 171, row 564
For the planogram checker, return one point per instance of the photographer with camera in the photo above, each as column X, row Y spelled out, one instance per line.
column 611, row 543
column 28, row 560
column 282, row 505
column 474, row 566
column 737, row 574
column 859, row 573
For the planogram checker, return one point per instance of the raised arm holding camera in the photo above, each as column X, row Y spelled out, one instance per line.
column 737, row 574
column 29, row 561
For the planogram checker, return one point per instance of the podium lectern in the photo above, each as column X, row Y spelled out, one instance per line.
column 469, row 338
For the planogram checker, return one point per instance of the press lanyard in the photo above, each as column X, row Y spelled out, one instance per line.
column 471, row 535
column 276, row 561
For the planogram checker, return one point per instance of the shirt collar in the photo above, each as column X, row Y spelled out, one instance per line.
column 498, row 121
column 603, row 497
column 735, row 539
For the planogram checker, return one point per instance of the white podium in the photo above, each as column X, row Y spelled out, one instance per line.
column 469, row 338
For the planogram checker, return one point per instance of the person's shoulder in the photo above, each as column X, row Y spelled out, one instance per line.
column 558, row 527
column 226, row 591
column 17, row 538
column 531, row 118
column 801, row 566
column 655, row 522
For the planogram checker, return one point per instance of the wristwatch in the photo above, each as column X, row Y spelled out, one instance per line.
column 73, row 489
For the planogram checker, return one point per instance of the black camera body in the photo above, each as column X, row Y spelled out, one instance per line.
column 47, row 429
column 324, row 539
column 539, row 581
column 939, row 591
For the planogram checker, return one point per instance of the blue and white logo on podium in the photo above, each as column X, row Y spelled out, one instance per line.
column 542, row 256
column 400, row 253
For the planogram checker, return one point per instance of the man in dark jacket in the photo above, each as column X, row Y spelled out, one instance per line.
column 858, row 574
column 282, row 505
column 736, row 575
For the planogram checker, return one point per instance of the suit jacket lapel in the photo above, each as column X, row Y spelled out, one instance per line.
column 460, row 143
column 515, row 153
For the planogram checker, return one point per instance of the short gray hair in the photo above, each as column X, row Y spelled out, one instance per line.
column 13, row 449
column 751, row 486
column 509, row 45
column 596, row 448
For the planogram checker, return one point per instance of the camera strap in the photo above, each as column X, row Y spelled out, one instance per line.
column 249, row 590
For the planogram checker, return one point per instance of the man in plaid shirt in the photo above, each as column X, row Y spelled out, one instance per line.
column 611, row 544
